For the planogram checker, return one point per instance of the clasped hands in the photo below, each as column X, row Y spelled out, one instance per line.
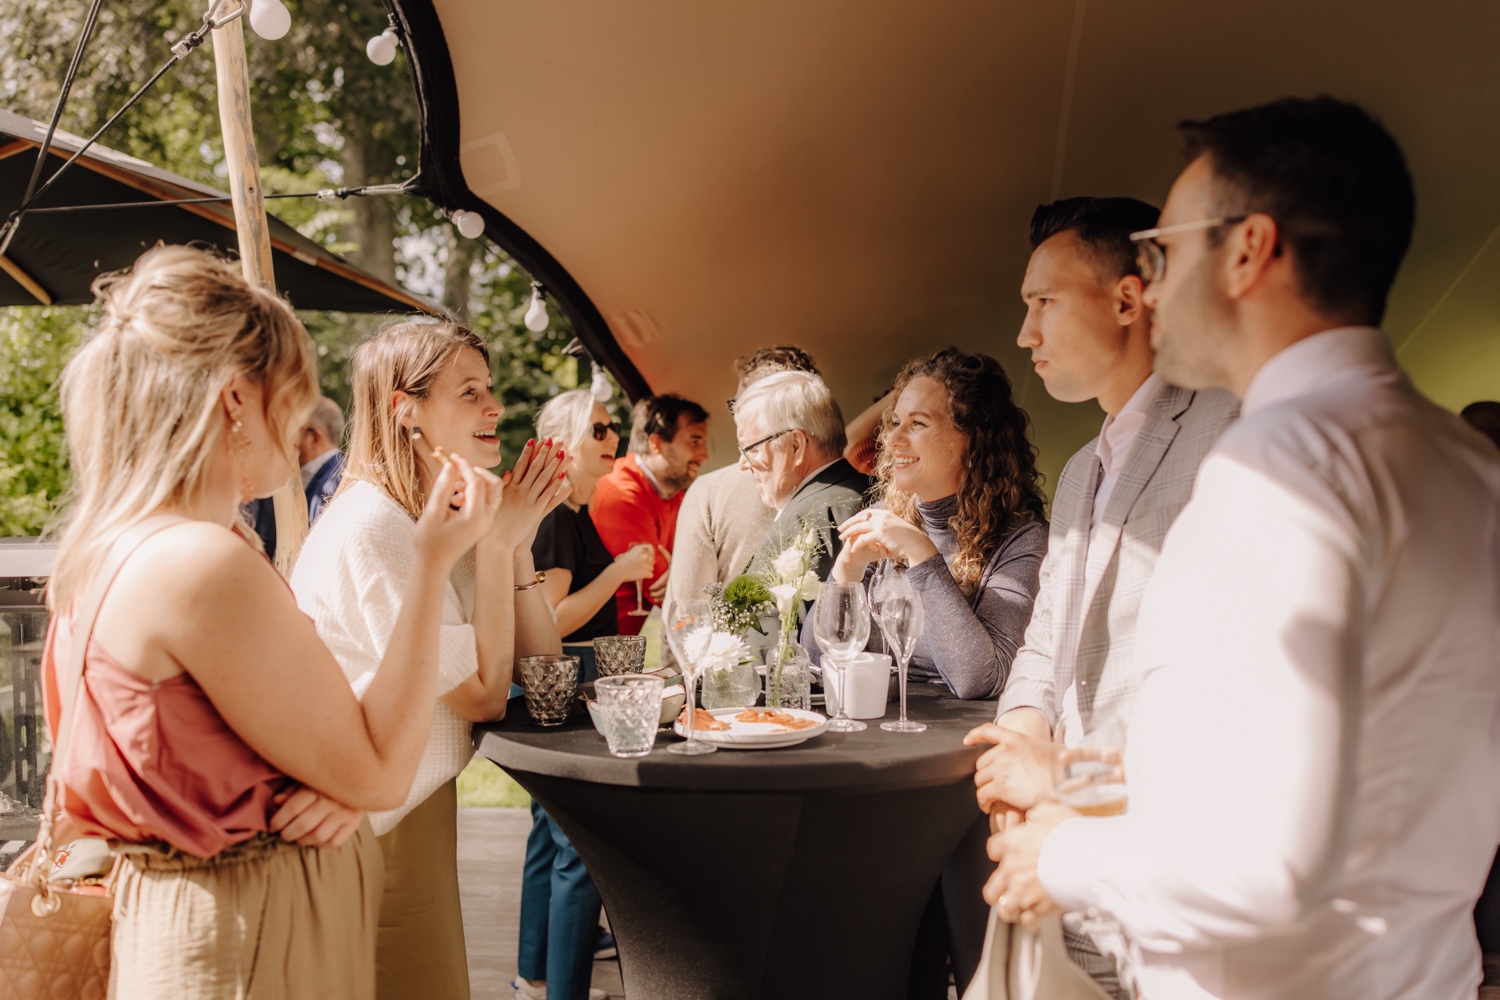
column 1014, row 781
column 526, row 494
column 874, row 534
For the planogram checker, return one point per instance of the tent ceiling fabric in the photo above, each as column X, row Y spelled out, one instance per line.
column 858, row 177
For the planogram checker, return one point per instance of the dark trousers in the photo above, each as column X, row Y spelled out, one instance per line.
column 956, row 918
column 559, row 913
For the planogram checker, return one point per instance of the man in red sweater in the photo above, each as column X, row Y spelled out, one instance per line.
column 638, row 501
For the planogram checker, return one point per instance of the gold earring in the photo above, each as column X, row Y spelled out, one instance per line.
column 239, row 446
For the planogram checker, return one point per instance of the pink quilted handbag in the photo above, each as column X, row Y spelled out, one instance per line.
column 54, row 940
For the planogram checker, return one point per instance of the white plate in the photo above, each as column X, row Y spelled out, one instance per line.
column 755, row 735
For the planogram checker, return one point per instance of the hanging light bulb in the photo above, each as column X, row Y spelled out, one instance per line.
column 270, row 19
column 470, row 224
column 599, row 388
column 382, row 48
column 536, row 313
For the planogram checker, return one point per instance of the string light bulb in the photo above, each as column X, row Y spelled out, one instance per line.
column 270, row 19
column 536, row 313
column 470, row 224
column 382, row 48
column 599, row 387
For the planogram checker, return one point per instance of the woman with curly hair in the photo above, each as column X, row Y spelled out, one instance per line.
column 961, row 504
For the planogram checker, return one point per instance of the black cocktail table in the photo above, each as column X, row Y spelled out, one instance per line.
column 799, row 872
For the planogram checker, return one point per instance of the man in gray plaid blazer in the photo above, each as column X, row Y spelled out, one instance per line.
column 1089, row 334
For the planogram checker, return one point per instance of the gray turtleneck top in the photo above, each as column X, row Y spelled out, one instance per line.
column 969, row 642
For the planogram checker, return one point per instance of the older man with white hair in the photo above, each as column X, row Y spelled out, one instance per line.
column 791, row 440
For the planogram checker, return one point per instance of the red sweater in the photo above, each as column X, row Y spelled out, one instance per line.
column 627, row 510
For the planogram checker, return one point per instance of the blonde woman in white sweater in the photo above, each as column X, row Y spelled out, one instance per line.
column 354, row 567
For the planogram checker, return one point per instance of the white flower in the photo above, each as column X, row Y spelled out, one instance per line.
column 808, row 590
column 724, row 649
column 786, row 596
column 790, row 563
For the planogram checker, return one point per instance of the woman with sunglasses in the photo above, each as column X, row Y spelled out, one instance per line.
column 559, row 904
column 582, row 576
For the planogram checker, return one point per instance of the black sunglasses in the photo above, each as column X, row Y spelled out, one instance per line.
column 601, row 431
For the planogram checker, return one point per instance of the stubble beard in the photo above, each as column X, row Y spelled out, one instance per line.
column 1193, row 332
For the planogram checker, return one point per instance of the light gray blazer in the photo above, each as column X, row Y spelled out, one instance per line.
column 1083, row 625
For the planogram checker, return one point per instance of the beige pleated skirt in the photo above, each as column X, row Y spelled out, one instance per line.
column 420, row 954
column 263, row 920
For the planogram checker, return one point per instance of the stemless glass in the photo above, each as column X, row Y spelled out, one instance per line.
column 901, row 623
column 690, row 626
column 630, row 705
column 1090, row 777
column 842, row 628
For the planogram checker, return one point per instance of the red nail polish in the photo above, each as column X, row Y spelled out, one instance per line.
column 559, row 453
column 548, row 443
column 530, row 442
column 562, row 476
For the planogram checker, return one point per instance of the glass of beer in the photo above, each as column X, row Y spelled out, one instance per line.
column 1091, row 779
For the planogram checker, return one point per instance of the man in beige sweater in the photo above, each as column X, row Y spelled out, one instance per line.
column 722, row 521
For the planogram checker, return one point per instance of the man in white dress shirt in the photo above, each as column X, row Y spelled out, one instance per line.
column 1313, row 763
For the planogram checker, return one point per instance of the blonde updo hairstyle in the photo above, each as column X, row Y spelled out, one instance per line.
column 141, row 400
column 404, row 357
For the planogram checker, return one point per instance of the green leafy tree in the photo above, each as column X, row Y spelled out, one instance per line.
column 33, row 455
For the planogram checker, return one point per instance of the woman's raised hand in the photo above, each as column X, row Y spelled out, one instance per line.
column 460, row 510
column 536, row 486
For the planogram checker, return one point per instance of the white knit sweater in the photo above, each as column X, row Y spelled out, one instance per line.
column 350, row 580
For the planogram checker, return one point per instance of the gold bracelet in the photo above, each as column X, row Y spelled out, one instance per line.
column 540, row 578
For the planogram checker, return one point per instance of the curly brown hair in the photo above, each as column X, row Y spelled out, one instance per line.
column 999, row 488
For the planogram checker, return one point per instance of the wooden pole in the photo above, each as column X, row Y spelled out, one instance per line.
column 254, row 239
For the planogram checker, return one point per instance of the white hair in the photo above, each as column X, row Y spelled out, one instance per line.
column 567, row 418
column 795, row 401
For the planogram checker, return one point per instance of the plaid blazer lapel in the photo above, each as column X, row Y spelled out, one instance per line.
column 1072, row 513
column 1150, row 448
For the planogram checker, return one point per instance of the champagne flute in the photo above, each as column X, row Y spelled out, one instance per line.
column 842, row 628
column 641, row 610
column 689, row 627
column 901, row 624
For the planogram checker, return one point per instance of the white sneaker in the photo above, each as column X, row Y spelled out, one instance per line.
column 526, row 991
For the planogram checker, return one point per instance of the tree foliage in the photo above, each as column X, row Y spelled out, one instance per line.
column 324, row 116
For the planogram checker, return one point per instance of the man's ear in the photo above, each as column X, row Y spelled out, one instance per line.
column 654, row 444
column 1130, row 305
column 1254, row 246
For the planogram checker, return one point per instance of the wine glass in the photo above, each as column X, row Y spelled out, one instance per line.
column 883, row 571
column 900, row 620
column 842, row 628
column 689, row 627
column 640, row 610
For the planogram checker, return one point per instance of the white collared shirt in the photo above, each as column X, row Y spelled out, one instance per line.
column 1314, row 754
column 312, row 468
column 1117, row 437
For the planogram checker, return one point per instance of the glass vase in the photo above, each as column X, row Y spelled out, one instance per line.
column 788, row 676
column 734, row 686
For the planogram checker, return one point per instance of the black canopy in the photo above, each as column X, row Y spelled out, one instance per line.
column 56, row 256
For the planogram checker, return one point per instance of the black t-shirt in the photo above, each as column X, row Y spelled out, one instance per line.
column 567, row 539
